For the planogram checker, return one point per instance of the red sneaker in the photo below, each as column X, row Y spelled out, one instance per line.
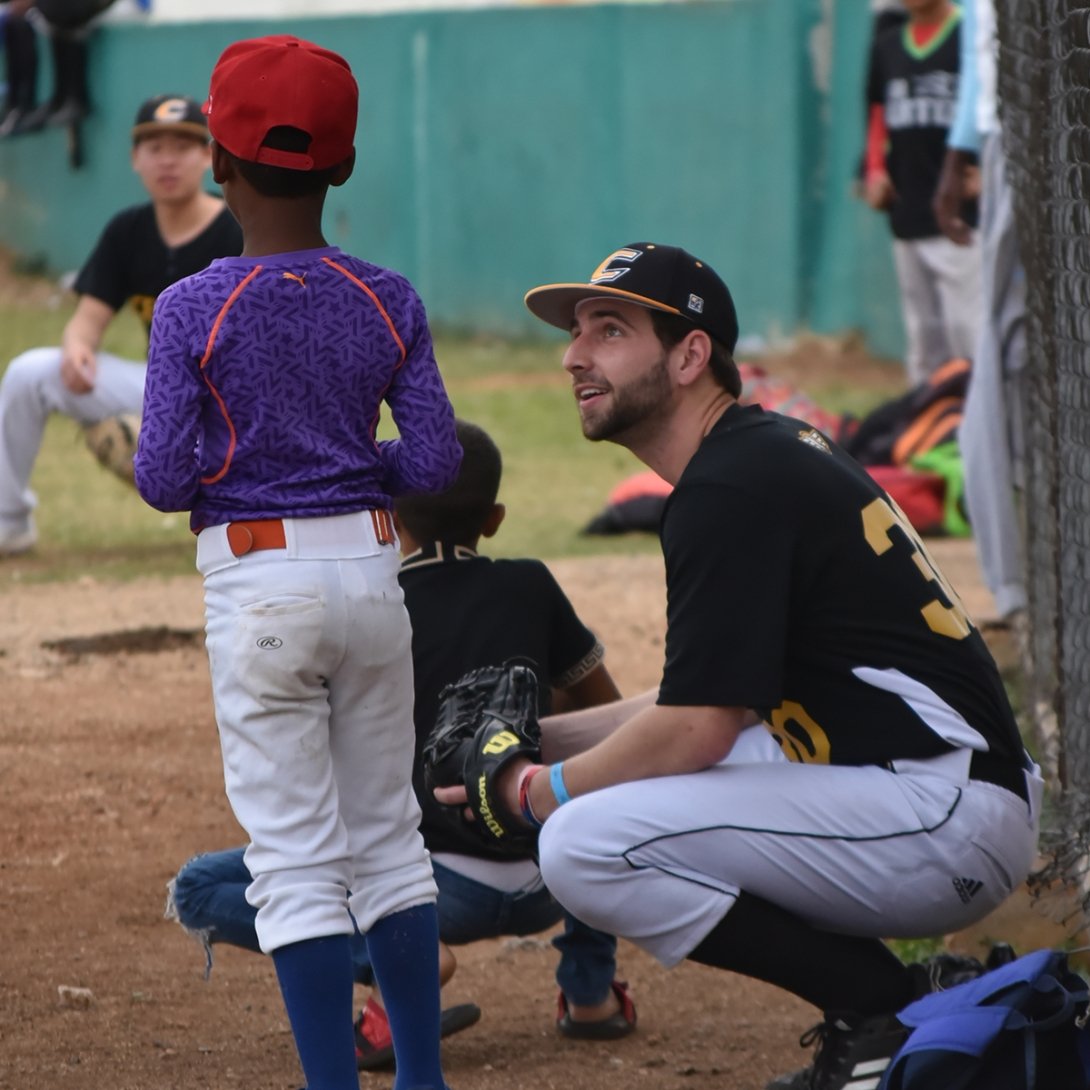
column 375, row 1046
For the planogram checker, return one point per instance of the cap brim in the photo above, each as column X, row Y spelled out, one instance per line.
column 556, row 303
column 182, row 128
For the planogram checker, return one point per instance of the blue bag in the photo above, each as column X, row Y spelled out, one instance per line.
column 1022, row 1026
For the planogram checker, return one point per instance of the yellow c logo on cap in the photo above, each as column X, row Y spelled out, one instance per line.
column 605, row 275
column 173, row 110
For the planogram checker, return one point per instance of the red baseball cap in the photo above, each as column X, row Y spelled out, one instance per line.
column 261, row 83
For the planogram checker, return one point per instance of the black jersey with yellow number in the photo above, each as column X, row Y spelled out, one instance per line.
column 469, row 611
column 796, row 588
column 131, row 262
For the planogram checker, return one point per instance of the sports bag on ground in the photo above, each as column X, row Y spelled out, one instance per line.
column 1022, row 1026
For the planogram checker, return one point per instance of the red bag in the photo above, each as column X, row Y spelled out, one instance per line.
column 919, row 495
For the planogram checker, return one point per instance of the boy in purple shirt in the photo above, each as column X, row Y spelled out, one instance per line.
column 265, row 379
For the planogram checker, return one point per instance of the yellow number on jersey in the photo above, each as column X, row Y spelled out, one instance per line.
column 882, row 515
column 800, row 738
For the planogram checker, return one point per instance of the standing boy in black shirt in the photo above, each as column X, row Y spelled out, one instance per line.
column 912, row 94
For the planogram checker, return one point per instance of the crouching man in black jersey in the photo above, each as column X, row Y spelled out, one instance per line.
column 830, row 758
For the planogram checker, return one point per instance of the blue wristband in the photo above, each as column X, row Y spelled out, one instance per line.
column 556, row 782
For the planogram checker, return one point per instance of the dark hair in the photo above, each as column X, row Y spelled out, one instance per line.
column 458, row 514
column 272, row 181
column 671, row 329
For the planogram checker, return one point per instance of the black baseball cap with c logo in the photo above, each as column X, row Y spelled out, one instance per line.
column 658, row 277
column 177, row 114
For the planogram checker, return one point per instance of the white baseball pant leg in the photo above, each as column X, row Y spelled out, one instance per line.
column 857, row 850
column 30, row 391
column 991, row 435
column 939, row 283
column 312, row 680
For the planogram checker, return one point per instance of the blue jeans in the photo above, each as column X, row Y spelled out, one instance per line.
column 209, row 897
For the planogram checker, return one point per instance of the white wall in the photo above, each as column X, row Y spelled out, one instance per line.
column 197, row 11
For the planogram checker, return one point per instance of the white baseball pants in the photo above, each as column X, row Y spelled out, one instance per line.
column 992, row 434
column 939, row 283
column 858, row 850
column 309, row 649
column 30, row 391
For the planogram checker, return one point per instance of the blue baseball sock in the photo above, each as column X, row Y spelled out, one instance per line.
column 404, row 949
column 316, row 982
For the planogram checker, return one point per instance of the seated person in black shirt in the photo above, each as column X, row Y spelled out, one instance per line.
column 141, row 252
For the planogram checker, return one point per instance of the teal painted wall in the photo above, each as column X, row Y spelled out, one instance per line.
column 502, row 148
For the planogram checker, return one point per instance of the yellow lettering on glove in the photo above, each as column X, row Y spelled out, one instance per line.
column 494, row 827
column 499, row 742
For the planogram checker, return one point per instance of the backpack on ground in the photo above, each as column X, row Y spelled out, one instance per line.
column 1022, row 1026
column 918, row 421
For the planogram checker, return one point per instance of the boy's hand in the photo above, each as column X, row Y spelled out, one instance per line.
column 958, row 182
column 878, row 191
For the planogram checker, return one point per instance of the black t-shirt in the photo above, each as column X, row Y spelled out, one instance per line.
column 918, row 89
column 131, row 261
column 469, row 611
column 795, row 587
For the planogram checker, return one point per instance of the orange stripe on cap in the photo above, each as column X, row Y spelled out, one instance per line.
column 231, row 299
column 549, row 301
column 374, row 299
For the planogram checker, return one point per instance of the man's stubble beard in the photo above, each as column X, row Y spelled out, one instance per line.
column 634, row 406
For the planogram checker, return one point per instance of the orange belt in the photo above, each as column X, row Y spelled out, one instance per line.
column 255, row 534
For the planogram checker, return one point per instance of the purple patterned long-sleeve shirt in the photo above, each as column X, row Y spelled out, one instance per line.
column 264, row 386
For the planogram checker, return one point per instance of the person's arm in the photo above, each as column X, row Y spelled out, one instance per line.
column 568, row 733
column 659, row 740
column 877, row 187
column 962, row 141
column 426, row 455
column 597, row 687
column 963, row 133
column 167, row 460
column 953, row 189
column 80, row 343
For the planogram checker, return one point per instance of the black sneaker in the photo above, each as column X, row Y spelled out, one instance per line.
column 943, row 971
column 850, row 1055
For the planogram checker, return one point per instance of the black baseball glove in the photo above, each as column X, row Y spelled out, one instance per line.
column 485, row 719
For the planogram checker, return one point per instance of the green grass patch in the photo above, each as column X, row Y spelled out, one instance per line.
column 910, row 950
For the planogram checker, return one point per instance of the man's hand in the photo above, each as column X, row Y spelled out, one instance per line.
column 79, row 367
column 80, row 341
column 956, row 183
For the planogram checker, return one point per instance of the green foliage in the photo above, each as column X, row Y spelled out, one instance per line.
column 910, row 950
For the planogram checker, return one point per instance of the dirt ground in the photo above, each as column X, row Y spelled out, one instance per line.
column 110, row 778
